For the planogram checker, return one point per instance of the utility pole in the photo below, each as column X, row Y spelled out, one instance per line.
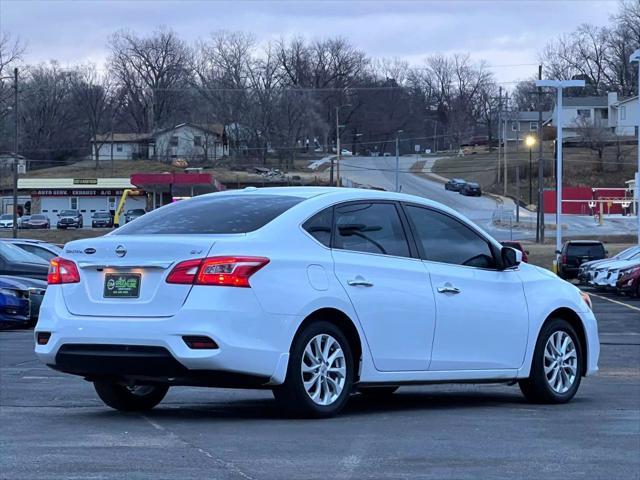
column 635, row 57
column 337, row 149
column 506, row 141
column 398, row 160
column 517, row 193
column 540, row 216
column 499, row 132
column 15, row 154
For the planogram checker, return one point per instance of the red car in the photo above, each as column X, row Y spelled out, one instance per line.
column 629, row 281
column 517, row 246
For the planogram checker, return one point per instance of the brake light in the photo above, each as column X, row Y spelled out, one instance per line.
column 62, row 271
column 563, row 259
column 222, row 271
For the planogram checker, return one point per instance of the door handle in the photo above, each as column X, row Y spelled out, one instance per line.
column 448, row 289
column 360, row 282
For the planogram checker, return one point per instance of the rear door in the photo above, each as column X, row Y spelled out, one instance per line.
column 389, row 290
column 482, row 316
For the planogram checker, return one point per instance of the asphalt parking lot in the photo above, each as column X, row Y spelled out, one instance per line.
column 53, row 426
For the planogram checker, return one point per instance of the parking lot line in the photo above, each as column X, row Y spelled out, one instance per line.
column 617, row 302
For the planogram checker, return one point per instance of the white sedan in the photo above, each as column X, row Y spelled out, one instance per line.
column 314, row 293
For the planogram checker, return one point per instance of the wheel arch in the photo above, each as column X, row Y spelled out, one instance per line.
column 575, row 321
column 345, row 324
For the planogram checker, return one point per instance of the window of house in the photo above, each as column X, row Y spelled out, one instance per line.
column 623, row 112
column 73, row 202
column 584, row 112
column 174, row 141
column 118, row 148
column 197, row 141
column 515, row 126
column 604, row 114
column 533, row 126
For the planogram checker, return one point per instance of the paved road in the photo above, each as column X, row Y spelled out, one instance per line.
column 380, row 172
column 53, row 426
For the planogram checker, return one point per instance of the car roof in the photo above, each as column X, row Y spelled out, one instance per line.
column 584, row 242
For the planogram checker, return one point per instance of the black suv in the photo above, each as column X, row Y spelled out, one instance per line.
column 102, row 219
column 471, row 189
column 576, row 252
column 69, row 218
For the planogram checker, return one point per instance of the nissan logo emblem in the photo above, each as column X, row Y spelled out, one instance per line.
column 121, row 251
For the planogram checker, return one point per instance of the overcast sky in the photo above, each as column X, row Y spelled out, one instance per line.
column 507, row 32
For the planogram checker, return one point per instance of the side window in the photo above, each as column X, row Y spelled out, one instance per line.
column 319, row 226
column 371, row 228
column 447, row 240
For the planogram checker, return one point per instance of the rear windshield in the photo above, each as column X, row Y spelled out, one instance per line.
column 212, row 214
column 588, row 250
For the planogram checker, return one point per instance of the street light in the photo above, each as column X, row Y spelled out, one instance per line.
column 398, row 159
column 635, row 57
column 338, row 126
column 530, row 141
column 559, row 85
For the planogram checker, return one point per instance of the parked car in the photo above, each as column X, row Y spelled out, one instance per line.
column 219, row 300
column 606, row 275
column 133, row 214
column 455, row 184
column 16, row 262
column 629, row 281
column 37, row 221
column 6, row 220
column 576, row 252
column 471, row 189
column 70, row 218
column 20, row 300
column 23, row 222
column 587, row 269
column 102, row 219
column 46, row 251
column 518, row 246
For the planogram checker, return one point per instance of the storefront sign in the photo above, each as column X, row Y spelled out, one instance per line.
column 80, row 193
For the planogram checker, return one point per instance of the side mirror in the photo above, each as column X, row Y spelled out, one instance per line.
column 527, row 252
column 510, row 257
column 558, row 252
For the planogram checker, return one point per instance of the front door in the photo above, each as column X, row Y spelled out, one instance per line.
column 482, row 317
column 389, row 290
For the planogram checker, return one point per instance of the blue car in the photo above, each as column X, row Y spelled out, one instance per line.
column 20, row 300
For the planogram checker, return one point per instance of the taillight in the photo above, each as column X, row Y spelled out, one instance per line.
column 224, row 271
column 62, row 271
column 563, row 259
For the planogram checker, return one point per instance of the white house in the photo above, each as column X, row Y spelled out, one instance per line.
column 187, row 141
column 624, row 115
column 576, row 110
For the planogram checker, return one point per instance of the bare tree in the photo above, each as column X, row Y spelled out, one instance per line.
column 596, row 137
column 151, row 73
column 11, row 53
column 93, row 92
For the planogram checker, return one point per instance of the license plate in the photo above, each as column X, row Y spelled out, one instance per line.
column 122, row 285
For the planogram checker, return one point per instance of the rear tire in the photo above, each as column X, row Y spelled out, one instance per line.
column 138, row 398
column 557, row 365
column 320, row 366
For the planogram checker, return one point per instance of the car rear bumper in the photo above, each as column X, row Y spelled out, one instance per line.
column 250, row 342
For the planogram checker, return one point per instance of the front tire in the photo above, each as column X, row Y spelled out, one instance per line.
column 556, row 368
column 320, row 373
column 138, row 398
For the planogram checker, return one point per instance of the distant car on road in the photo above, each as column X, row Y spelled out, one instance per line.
column 471, row 189
column 518, row 246
column 17, row 262
column 133, row 214
column 576, row 252
column 20, row 300
column 6, row 220
column 69, row 218
column 46, row 251
column 455, row 184
column 102, row 219
column 37, row 221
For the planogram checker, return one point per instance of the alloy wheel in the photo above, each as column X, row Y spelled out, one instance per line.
column 323, row 369
column 560, row 362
